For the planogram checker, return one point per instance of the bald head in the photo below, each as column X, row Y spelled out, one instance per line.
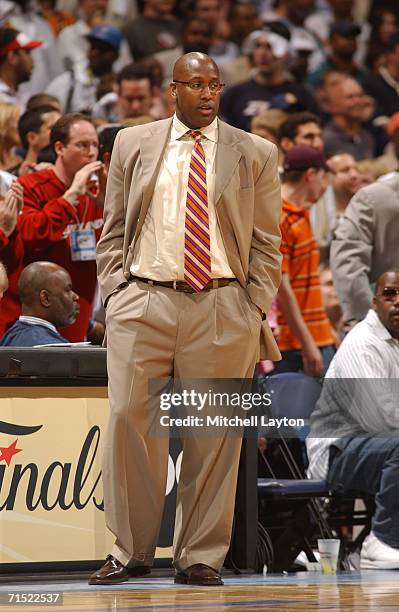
column 196, row 88
column 386, row 301
column 192, row 61
column 45, row 291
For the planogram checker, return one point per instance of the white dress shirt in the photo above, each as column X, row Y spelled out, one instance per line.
column 159, row 250
column 367, row 352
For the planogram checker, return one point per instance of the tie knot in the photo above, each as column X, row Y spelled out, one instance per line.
column 195, row 134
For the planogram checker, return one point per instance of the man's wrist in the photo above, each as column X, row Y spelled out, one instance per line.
column 71, row 196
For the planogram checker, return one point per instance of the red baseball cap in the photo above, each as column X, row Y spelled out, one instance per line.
column 13, row 40
column 302, row 157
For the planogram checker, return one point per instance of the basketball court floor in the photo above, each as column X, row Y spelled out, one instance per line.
column 303, row 592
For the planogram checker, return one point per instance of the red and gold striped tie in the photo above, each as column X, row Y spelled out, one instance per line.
column 197, row 253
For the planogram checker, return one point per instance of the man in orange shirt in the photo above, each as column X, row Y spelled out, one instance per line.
column 305, row 339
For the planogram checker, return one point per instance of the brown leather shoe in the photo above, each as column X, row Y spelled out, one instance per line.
column 113, row 572
column 199, row 575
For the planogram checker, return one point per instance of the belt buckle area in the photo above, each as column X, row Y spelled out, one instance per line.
column 174, row 285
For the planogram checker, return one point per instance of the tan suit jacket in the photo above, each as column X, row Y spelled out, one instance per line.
column 247, row 202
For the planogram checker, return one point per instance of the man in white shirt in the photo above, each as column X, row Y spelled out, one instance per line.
column 188, row 264
column 353, row 440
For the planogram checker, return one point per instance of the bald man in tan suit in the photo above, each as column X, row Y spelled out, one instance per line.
column 161, row 324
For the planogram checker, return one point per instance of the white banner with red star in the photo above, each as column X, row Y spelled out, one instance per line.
column 51, row 498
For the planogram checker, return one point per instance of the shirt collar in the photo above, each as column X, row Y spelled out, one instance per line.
column 179, row 129
column 379, row 328
column 37, row 321
column 291, row 207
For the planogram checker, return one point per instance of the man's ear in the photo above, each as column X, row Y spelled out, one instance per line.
column 374, row 303
column 58, row 147
column 31, row 137
column 173, row 90
column 286, row 143
column 44, row 298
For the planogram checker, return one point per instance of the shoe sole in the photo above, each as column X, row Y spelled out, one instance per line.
column 107, row 582
column 378, row 565
column 182, row 580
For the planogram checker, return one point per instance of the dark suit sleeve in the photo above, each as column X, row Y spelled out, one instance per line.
column 110, row 245
column 265, row 256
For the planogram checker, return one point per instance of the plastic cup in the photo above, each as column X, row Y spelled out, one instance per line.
column 329, row 551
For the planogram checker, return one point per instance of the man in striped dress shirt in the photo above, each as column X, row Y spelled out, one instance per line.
column 354, row 433
column 188, row 264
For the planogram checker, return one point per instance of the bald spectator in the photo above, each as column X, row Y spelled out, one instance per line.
column 16, row 65
column 353, row 439
column 268, row 54
column 48, row 301
column 345, row 132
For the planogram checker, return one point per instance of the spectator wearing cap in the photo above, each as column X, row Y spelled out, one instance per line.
column 77, row 88
column 16, row 65
column 305, row 339
column 293, row 14
column 342, row 49
column 345, row 132
column 384, row 87
column 25, row 18
column 268, row 53
column 320, row 22
column 73, row 43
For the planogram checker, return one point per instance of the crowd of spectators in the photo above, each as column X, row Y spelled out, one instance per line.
column 319, row 78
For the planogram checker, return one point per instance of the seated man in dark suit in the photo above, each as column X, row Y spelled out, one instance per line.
column 48, row 301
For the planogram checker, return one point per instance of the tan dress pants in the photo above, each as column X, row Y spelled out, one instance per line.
column 156, row 332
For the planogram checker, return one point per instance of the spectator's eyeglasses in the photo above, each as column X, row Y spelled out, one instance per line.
column 198, row 86
column 389, row 293
column 85, row 147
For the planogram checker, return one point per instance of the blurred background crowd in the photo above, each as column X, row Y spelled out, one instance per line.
column 319, row 78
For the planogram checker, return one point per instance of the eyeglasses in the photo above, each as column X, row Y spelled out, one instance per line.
column 85, row 147
column 389, row 293
column 214, row 86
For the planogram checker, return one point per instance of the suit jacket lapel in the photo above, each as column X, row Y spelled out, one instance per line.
column 227, row 158
column 151, row 154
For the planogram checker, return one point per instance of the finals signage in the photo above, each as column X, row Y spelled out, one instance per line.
column 32, row 485
column 51, row 495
